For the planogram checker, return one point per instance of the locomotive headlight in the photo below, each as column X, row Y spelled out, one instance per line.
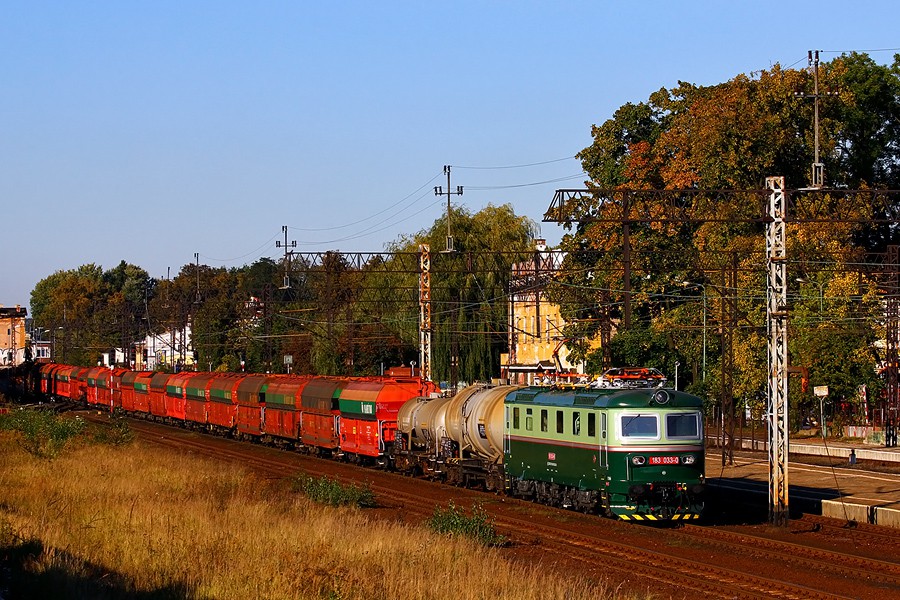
column 689, row 459
column 638, row 460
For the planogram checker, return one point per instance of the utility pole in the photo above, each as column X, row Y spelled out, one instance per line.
column 892, row 331
column 425, row 311
column 777, row 319
column 189, row 317
column 439, row 191
column 197, row 269
column 287, row 255
column 818, row 169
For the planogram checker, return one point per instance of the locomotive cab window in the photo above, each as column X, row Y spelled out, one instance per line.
column 683, row 425
column 544, row 420
column 592, row 425
column 560, row 419
column 515, row 417
column 529, row 420
column 576, row 423
column 638, row 426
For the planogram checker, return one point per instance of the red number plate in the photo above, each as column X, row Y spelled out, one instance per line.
column 663, row 460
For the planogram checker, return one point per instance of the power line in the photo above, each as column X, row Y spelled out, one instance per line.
column 862, row 51
column 521, row 185
column 399, row 202
column 536, row 164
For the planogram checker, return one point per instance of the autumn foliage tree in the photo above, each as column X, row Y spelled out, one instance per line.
column 732, row 136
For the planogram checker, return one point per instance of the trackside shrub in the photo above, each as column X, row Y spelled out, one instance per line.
column 334, row 493
column 453, row 520
column 43, row 433
column 118, row 433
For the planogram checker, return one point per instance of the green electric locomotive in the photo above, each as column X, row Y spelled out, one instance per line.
column 634, row 454
column 630, row 453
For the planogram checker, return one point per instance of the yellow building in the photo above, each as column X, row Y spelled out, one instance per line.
column 537, row 344
column 12, row 335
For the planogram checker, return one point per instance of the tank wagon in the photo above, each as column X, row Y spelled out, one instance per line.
column 635, row 454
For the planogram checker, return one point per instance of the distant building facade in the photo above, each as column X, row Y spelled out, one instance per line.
column 12, row 335
column 537, row 343
column 168, row 351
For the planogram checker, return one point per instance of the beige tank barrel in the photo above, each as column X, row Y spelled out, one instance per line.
column 475, row 419
column 423, row 420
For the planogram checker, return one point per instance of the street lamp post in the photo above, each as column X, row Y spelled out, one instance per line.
column 821, row 287
column 60, row 342
column 702, row 286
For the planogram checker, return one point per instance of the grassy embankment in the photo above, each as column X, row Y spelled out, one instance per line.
column 137, row 521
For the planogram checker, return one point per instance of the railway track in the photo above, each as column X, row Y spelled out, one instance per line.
column 856, row 532
column 799, row 555
column 690, row 563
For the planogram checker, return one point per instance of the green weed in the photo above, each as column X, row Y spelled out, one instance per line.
column 118, row 433
column 333, row 492
column 43, row 433
column 477, row 526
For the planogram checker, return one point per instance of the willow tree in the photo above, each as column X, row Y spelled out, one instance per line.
column 469, row 288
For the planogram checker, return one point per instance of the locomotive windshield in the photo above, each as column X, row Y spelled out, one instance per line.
column 683, row 425
column 640, row 426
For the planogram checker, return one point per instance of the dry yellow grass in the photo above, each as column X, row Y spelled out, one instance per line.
column 155, row 523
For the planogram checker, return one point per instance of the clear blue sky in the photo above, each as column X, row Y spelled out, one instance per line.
column 148, row 131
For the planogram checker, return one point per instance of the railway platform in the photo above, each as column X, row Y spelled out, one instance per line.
column 851, row 481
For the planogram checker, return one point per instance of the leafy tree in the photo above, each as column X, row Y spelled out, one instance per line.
column 469, row 288
column 731, row 136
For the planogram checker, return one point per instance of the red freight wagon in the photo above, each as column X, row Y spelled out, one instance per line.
column 369, row 413
column 222, row 402
column 320, row 417
column 158, row 394
column 196, row 398
column 282, row 415
column 93, row 375
column 112, row 380
column 65, row 383
column 359, row 407
column 55, row 379
column 142, row 392
column 78, row 384
column 251, row 401
column 47, row 371
column 175, row 399
column 129, row 395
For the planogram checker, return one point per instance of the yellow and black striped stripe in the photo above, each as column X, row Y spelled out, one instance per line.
column 676, row 517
